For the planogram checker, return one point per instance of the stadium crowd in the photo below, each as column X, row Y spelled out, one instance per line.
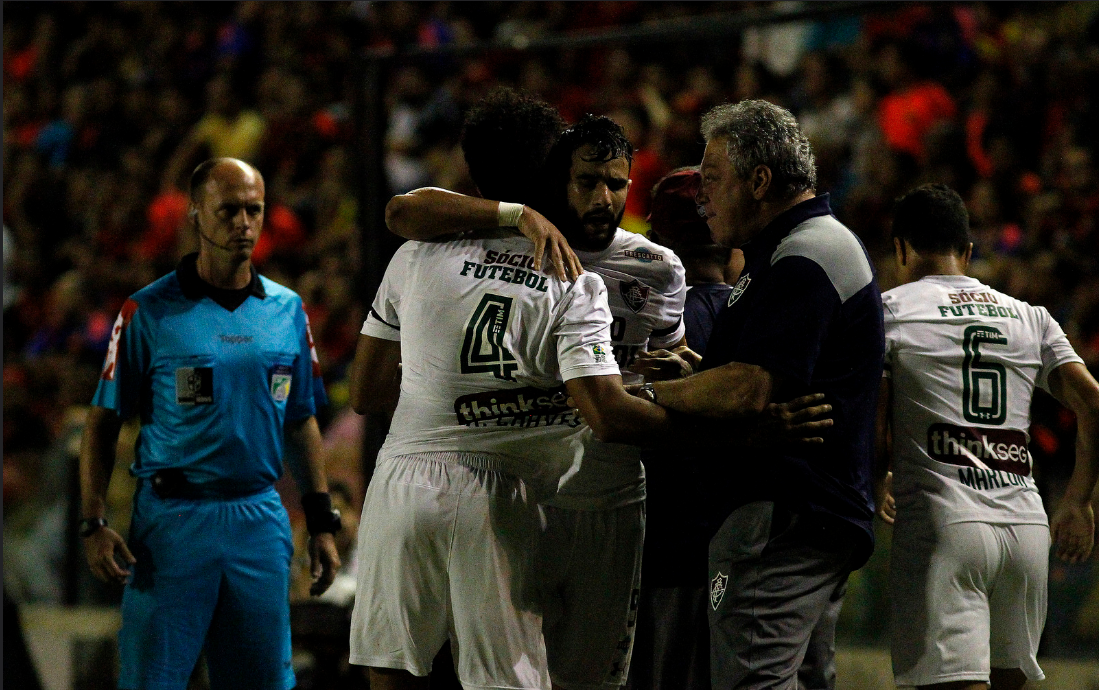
column 108, row 107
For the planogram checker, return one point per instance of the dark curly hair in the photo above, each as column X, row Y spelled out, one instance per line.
column 602, row 133
column 506, row 139
column 933, row 219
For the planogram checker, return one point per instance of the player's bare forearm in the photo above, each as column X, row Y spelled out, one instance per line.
column 303, row 441
column 375, row 375
column 614, row 415
column 97, row 458
column 1078, row 390
column 731, row 390
column 1072, row 526
column 431, row 212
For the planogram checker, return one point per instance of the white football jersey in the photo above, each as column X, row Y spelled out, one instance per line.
column 486, row 343
column 964, row 361
column 646, row 289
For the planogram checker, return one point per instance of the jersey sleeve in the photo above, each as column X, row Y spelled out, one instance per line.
column 128, row 357
column 582, row 327
column 384, row 319
column 669, row 328
column 1056, row 349
column 308, row 396
column 787, row 324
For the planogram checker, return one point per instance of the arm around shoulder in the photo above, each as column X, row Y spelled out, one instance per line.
column 431, row 212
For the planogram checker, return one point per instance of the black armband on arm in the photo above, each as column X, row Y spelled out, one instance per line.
column 320, row 516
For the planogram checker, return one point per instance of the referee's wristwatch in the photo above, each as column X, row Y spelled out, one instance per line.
column 89, row 526
column 647, row 392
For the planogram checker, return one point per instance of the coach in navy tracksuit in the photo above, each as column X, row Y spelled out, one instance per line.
column 804, row 317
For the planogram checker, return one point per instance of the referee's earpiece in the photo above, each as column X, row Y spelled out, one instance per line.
column 194, row 219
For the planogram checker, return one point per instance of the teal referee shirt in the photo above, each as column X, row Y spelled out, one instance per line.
column 214, row 375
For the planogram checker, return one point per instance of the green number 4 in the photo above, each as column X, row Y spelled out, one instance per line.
column 984, row 384
column 483, row 348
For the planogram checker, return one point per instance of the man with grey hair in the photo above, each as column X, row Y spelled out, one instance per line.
column 804, row 317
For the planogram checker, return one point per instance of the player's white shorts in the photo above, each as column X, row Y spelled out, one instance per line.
column 446, row 550
column 966, row 597
column 590, row 567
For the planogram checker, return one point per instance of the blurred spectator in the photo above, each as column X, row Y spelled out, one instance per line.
column 226, row 130
column 914, row 105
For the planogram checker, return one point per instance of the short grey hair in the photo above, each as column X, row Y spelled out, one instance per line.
column 762, row 133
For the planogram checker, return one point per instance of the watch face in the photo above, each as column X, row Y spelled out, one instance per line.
column 89, row 526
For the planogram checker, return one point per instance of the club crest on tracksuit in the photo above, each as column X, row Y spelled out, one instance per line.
column 717, row 589
column 634, row 294
column 738, row 289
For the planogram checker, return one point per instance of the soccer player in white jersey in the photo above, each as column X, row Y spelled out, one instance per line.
column 971, row 538
column 594, row 526
column 481, row 432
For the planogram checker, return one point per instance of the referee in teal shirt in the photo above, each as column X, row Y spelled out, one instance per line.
column 219, row 364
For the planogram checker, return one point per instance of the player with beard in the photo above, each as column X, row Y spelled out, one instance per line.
column 595, row 524
column 591, row 560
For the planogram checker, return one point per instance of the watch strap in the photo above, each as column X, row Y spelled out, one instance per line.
column 89, row 526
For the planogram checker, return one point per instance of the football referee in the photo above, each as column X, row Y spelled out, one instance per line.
column 218, row 362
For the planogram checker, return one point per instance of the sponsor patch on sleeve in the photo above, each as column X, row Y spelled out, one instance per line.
column 599, row 352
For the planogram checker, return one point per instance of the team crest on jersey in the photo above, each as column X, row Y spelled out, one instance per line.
column 717, row 589
column 634, row 294
column 643, row 255
column 738, row 289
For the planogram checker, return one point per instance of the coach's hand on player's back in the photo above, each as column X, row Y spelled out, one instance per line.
column 797, row 422
column 1072, row 530
column 101, row 548
column 545, row 235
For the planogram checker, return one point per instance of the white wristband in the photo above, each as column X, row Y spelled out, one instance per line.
column 508, row 215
